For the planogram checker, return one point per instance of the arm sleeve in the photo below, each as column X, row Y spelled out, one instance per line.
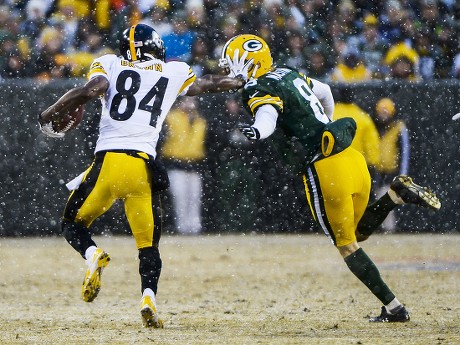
column 324, row 94
column 265, row 121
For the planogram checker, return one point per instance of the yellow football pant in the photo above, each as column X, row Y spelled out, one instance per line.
column 112, row 176
column 338, row 189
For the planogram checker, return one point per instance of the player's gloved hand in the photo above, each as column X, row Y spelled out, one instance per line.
column 239, row 67
column 47, row 129
column 249, row 132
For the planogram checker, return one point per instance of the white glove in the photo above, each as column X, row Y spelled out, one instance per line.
column 48, row 130
column 238, row 67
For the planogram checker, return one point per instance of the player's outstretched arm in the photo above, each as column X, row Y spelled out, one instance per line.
column 211, row 83
column 238, row 68
column 75, row 97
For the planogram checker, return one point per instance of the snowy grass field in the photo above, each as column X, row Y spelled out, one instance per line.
column 244, row 289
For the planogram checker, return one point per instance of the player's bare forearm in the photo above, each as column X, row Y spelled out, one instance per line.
column 76, row 97
column 71, row 98
column 211, row 83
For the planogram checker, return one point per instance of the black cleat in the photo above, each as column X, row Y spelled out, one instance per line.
column 402, row 315
column 412, row 193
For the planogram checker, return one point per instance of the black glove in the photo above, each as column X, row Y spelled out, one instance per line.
column 249, row 131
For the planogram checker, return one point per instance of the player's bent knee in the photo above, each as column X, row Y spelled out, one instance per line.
column 348, row 249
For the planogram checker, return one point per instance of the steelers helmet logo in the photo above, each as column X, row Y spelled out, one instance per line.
column 252, row 45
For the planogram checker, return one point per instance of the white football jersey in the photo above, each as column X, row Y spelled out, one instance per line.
column 137, row 101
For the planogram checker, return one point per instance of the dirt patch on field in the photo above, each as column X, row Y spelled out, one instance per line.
column 247, row 289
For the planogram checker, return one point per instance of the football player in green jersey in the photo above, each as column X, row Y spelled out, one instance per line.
column 296, row 111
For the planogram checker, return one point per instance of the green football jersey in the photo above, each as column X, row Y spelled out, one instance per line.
column 301, row 118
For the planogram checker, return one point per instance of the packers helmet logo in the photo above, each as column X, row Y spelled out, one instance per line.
column 252, row 45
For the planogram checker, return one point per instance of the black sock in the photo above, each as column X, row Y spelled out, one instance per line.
column 366, row 271
column 375, row 214
column 78, row 236
column 149, row 268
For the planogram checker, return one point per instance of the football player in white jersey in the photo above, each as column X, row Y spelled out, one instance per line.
column 137, row 90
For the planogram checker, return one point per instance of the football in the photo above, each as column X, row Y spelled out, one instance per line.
column 69, row 120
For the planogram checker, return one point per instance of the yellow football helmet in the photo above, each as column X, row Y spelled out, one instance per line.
column 256, row 48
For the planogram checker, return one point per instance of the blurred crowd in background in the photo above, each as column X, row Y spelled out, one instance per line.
column 338, row 40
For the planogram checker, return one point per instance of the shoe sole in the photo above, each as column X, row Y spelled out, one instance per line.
column 424, row 196
column 92, row 284
column 378, row 319
column 150, row 319
column 388, row 321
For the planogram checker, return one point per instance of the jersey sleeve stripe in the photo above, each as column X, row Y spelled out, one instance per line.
column 256, row 102
column 190, row 79
column 96, row 68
